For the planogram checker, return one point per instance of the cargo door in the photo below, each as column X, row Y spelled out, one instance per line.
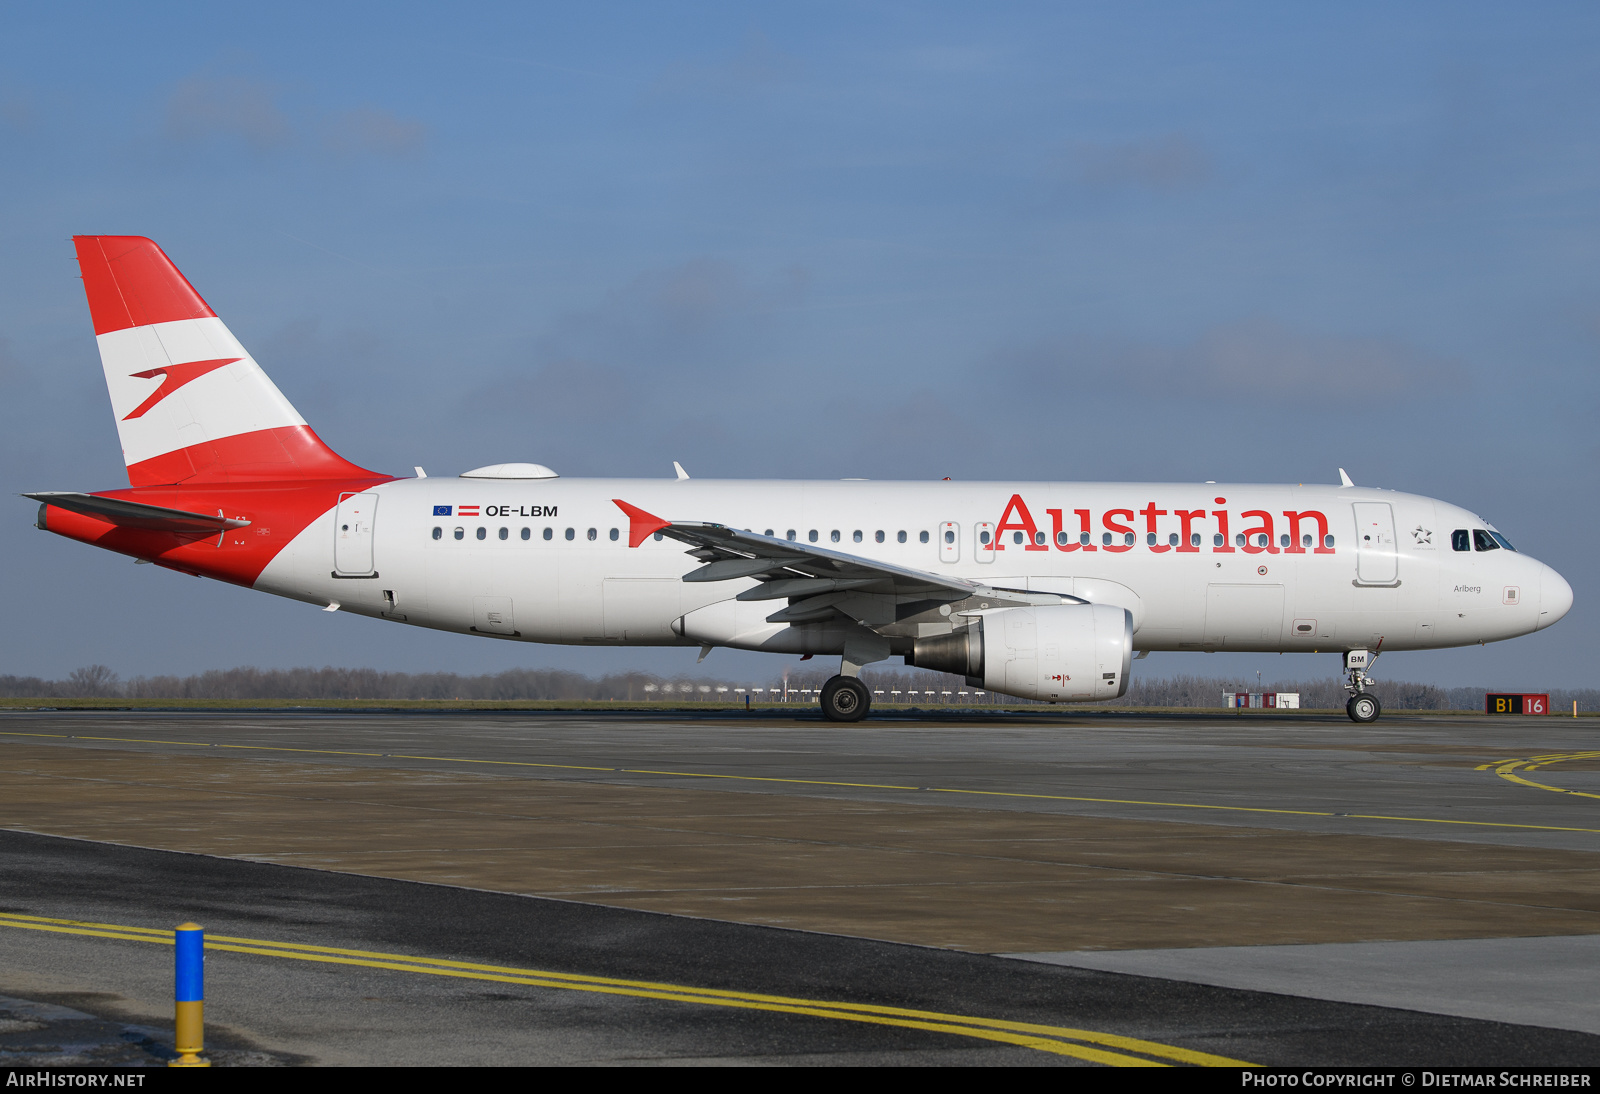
column 1244, row 617
column 352, row 535
column 1377, row 560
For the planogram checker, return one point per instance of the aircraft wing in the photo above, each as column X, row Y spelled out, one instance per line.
column 133, row 514
column 818, row 582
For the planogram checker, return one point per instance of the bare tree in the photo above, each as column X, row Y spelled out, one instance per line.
column 93, row 682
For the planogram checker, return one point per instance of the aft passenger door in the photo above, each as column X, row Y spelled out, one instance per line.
column 352, row 535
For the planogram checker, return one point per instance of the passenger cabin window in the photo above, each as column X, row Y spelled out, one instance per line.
column 1083, row 539
column 527, row 533
column 461, row 533
column 1194, row 539
column 1216, row 540
column 949, row 536
column 572, row 533
column 1016, row 537
column 1327, row 540
column 922, row 537
column 1172, row 539
column 856, row 536
column 483, row 533
column 438, row 533
column 791, row 535
column 593, row 535
column 1128, row 538
column 878, row 536
column 768, row 532
column 812, row 535
column 834, row 535
column 1483, row 541
column 1460, row 540
column 614, row 535
column 900, row 537
column 1105, row 539
column 505, row 533
column 983, row 537
column 549, row 533
column 1062, row 539
column 1150, row 540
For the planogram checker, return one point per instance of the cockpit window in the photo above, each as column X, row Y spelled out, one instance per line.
column 1483, row 541
column 1502, row 541
column 1460, row 540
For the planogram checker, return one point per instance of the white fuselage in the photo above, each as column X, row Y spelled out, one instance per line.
column 548, row 560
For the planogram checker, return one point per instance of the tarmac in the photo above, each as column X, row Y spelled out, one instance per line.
column 1257, row 887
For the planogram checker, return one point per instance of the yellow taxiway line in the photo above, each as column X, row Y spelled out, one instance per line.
column 1082, row 1044
column 1507, row 769
column 865, row 785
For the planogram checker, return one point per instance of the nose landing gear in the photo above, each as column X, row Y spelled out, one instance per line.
column 1363, row 706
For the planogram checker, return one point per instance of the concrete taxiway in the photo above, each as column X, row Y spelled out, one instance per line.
column 1220, row 856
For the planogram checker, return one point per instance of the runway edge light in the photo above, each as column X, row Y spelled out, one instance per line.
column 189, row 955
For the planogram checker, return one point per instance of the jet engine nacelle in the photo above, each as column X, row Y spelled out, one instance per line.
column 1059, row 653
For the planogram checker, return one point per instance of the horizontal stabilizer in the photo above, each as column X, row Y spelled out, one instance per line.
column 133, row 514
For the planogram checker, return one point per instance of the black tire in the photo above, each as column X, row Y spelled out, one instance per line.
column 845, row 699
column 1363, row 707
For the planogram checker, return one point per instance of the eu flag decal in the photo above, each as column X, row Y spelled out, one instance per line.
column 441, row 510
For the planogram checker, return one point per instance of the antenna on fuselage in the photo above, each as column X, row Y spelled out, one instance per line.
column 1344, row 479
column 678, row 467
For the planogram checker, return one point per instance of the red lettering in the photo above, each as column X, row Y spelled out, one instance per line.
column 1294, row 532
column 1186, row 518
column 1083, row 523
column 1122, row 531
column 1265, row 527
column 1056, row 533
column 1150, row 513
column 1222, row 527
column 1023, row 523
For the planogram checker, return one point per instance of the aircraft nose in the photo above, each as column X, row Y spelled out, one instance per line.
column 1555, row 598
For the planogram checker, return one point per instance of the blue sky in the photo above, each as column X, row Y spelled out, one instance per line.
column 1119, row 241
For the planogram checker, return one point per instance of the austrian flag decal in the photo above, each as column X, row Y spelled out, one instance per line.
column 467, row 510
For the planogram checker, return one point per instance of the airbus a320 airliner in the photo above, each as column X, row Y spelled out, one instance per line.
column 1038, row 590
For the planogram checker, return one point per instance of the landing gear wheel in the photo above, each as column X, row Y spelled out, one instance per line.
column 1363, row 707
column 845, row 699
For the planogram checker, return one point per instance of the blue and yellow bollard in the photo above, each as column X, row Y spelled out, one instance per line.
column 189, row 993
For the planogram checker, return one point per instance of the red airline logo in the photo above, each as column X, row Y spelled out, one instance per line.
column 175, row 376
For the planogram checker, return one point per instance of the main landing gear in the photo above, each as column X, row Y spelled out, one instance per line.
column 1363, row 706
column 845, row 699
